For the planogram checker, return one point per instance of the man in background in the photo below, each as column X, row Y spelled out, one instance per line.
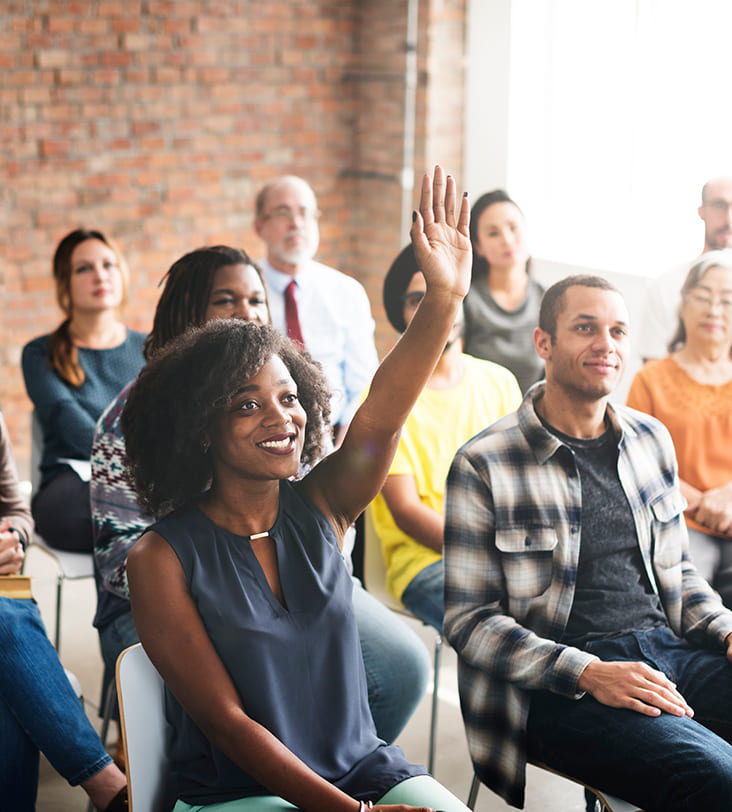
column 663, row 296
column 321, row 308
column 587, row 641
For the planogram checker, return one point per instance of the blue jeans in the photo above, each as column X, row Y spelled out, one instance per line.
column 114, row 638
column 396, row 661
column 38, row 711
column 425, row 595
column 660, row 763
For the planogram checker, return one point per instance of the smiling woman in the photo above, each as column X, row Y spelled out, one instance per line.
column 213, row 411
column 239, row 592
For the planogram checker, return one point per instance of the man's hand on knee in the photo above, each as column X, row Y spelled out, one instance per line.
column 635, row 686
column 728, row 643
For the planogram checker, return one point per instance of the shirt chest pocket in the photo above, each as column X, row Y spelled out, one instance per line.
column 667, row 512
column 527, row 556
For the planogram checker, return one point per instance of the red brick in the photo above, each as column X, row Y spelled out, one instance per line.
column 159, row 121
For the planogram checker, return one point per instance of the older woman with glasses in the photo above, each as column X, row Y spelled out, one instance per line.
column 690, row 391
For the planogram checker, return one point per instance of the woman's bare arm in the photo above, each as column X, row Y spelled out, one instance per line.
column 346, row 481
column 412, row 516
column 177, row 643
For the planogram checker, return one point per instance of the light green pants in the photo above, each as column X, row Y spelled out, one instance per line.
column 421, row 790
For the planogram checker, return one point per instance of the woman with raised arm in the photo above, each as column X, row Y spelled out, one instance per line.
column 239, row 594
column 73, row 374
column 219, row 282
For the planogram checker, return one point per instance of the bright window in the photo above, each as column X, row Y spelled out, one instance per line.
column 619, row 111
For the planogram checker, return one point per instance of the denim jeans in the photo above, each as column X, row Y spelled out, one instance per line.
column 38, row 711
column 425, row 595
column 396, row 661
column 114, row 637
column 660, row 763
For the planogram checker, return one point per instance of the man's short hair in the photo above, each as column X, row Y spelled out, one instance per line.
column 552, row 302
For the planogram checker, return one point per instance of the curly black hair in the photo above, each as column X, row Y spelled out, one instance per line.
column 180, row 395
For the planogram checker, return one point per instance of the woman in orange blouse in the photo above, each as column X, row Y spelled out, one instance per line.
column 690, row 391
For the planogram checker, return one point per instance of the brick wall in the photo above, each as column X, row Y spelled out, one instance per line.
column 157, row 121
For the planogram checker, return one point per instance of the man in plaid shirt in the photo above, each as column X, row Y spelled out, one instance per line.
column 587, row 641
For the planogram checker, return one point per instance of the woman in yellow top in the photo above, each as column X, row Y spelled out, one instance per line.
column 690, row 391
column 463, row 396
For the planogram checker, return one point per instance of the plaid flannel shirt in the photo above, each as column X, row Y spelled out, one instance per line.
column 513, row 515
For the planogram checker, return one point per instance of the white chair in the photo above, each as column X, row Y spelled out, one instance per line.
column 374, row 576
column 72, row 566
column 146, row 736
column 604, row 802
column 145, row 732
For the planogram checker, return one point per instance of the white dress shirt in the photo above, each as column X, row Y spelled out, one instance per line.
column 337, row 327
column 661, row 312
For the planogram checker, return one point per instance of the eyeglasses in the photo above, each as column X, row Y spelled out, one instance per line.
column 286, row 214
column 411, row 300
column 708, row 302
column 719, row 204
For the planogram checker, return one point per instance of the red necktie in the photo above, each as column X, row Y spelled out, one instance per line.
column 292, row 321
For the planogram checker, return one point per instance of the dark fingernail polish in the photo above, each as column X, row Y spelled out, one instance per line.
column 414, row 216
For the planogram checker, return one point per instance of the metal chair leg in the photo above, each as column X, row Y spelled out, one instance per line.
column 57, row 633
column 473, row 794
column 435, row 704
column 110, row 703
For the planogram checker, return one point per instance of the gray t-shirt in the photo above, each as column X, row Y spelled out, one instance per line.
column 613, row 595
column 502, row 336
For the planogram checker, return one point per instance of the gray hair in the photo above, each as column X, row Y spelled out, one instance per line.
column 721, row 258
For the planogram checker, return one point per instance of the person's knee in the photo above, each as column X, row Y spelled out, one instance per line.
column 20, row 624
column 703, row 781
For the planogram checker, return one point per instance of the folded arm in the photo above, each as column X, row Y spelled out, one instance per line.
column 60, row 413
column 712, row 508
column 412, row 516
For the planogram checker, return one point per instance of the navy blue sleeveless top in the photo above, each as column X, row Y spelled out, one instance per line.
column 298, row 670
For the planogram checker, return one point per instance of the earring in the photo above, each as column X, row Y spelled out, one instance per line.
column 205, row 445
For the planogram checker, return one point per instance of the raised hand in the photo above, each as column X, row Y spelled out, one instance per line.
column 440, row 235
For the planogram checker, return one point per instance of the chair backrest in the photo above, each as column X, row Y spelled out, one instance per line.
column 36, row 452
column 145, row 731
column 374, row 566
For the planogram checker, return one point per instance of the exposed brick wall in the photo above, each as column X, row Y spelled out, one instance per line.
column 157, row 121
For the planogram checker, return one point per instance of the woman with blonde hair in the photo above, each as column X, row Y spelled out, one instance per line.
column 72, row 375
